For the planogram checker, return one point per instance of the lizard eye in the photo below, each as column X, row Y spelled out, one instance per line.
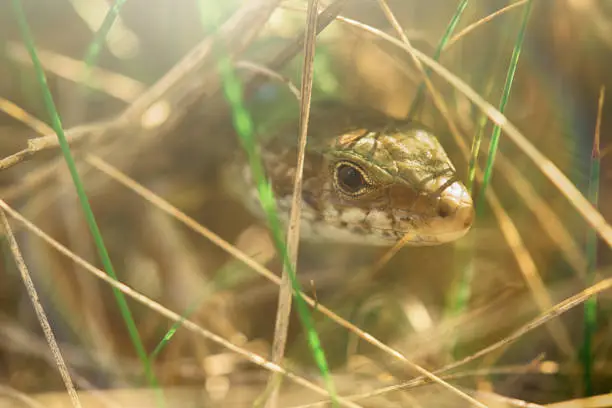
column 350, row 179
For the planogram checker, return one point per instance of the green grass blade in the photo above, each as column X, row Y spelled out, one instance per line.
column 482, row 122
column 91, row 57
column 461, row 292
column 475, row 150
column 173, row 329
column 225, row 278
column 590, row 306
column 450, row 28
column 476, row 142
column 89, row 216
column 93, row 51
column 244, row 127
column 516, row 52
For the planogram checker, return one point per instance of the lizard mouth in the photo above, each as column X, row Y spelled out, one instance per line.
column 451, row 217
column 446, row 217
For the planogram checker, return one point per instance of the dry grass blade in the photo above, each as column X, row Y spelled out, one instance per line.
column 174, row 212
column 50, row 141
column 324, row 19
column 556, row 311
column 281, row 327
column 270, row 74
column 530, row 273
column 497, row 400
column 424, row 381
column 18, row 396
column 531, row 367
column 31, row 181
column 482, row 21
column 600, row 401
column 42, row 128
column 160, row 309
column 545, row 215
column 40, row 312
column 21, row 341
column 45, row 171
column 111, row 83
column 16, row 112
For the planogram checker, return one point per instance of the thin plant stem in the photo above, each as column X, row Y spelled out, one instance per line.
column 80, row 189
column 450, row 28
column 590, row 306
column 283, row 312
column 40, row 312
column 516, row 52
column 93, row 51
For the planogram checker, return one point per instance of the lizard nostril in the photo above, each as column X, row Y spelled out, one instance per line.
column 446, row 208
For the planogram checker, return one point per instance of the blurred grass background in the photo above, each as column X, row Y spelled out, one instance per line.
column 565, row 60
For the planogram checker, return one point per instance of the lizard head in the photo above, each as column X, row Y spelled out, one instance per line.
column 374, row 184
